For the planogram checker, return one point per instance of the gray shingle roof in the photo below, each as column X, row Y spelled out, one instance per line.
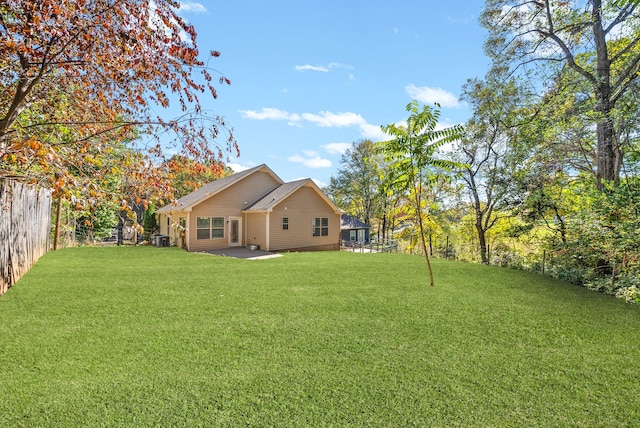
column 211, row 189
column 277, row 195
column 350, row 222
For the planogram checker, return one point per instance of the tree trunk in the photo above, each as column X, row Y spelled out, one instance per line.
column 482, row 242
column 563, row 226
column 426, row 254
column 430, row 244
column 423, row 238
column 446, row 249
column 477, row 205
column 384, row 227
column 606, row 149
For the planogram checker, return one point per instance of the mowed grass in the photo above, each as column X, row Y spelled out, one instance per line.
column 160, row 337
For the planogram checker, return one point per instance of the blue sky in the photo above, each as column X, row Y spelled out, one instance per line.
column 310, row 78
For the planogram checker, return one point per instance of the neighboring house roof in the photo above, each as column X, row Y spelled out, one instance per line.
column 205, row 192
column 350, row 222
column 282, row 192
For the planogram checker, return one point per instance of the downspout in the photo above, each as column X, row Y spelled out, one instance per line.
column 187, row 232
column 267, row 231
column 244, row 228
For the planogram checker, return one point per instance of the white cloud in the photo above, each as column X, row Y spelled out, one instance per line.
column 428, row 95
column 325, row 119
column 236, row 167
column 194, row 7
column 373, row 132
column 310, row 159
column 334, row 120
column 312, row 68
column 323, row 68
column 268, row 113
column 336, row 148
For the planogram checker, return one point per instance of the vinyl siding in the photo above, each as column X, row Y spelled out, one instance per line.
column 162, row 224
column 301, row 207
column 256, row 229
column 228, row 203
column 165, row 221
column 346, row 235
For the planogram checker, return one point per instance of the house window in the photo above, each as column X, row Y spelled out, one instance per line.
column 210, row 227
column 217, row 227
column 352, row 235
column 320, row 226
column 285, row 223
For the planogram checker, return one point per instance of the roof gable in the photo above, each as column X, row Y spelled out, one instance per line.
column 210, row 189
column 285, row 190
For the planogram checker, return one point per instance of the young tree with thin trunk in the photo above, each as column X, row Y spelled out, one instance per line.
column 414, row 166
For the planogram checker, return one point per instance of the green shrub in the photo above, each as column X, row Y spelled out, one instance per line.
column 149, row 222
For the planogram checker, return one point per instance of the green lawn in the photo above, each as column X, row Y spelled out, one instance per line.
column 160, row 337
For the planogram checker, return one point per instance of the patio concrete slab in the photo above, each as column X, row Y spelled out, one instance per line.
column 244, row 253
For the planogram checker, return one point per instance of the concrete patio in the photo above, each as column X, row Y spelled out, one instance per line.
column 244, row 253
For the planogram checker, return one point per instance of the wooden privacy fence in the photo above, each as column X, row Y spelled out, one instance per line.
column 25, row 223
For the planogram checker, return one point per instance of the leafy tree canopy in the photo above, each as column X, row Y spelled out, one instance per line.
column 356, row 186
column 595, row 41
column 79, row 78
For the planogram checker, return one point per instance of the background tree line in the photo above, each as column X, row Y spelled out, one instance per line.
column 83, row 90
column 546, row 169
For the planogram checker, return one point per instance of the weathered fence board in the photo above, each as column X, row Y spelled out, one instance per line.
column 25, row 223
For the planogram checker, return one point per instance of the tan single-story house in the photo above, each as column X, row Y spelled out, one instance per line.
column 253, row 207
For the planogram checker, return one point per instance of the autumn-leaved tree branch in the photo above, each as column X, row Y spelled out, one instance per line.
column 79, row 79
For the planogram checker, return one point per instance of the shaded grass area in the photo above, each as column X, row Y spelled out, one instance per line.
column 160, row 337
